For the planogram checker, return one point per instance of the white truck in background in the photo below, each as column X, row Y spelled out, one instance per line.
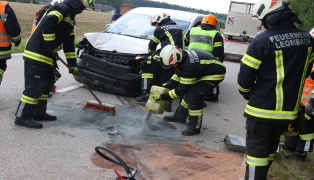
column 239, row 24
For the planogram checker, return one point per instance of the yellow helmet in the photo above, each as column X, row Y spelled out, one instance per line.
column 210, row 19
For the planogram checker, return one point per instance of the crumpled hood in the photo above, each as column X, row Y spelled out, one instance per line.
column 119, row 43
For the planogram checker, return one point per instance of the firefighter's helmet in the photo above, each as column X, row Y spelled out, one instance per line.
column 312, row 32
column 265, row 7
column 210, row 19
column 56, row 1
column 170, row 55
column 158, row 18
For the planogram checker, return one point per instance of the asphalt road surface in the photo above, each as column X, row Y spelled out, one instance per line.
column 62, row 149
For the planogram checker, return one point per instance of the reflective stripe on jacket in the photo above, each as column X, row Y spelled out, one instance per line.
column 202, row 40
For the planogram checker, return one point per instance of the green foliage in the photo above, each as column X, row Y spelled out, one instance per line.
column 149, row 3
column 26, row 1
column 305, row 11
column 116, row 3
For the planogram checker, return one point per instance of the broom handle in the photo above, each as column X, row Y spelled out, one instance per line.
column 80, row 79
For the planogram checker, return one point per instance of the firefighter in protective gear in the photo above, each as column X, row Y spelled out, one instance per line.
column 56, row 28
column 198, row 72
column 9, row 32
column 206, row 38
column 166, row 32
column 301, row 144
column 271, row 77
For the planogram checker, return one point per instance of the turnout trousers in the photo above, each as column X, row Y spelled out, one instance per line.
column 262, row 142
column 39, row 81
column 192, row 104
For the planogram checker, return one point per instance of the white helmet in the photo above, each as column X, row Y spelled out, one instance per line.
column 312, row 32
column 266, row 7
column 56, row 1
column 170, row 55
column 158, row 18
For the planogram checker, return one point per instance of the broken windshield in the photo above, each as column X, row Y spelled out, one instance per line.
column 138, row 25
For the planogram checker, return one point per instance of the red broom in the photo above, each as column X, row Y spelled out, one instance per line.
column 109, row 108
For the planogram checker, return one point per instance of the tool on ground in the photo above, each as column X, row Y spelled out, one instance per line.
column 120, row 162
column 153, row 105
column 235, row 143
column 109, row 108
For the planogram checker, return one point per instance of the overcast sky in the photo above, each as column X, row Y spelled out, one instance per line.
column 221, row 6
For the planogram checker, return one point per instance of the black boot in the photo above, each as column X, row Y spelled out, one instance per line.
column 296, row 155
column 28, row 122
column 168, row 106
column 44, row 117
column 143, row 98
column 179, row 116
column 194, row 126
column 24, row 115
column 172, row 118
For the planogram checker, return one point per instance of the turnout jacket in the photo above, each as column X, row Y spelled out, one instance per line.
column 167, row 33
column 273, row 71
column 10, row 30
column 56, row 28
column 196, row 66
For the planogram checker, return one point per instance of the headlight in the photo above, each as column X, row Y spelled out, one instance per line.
column 140, row 57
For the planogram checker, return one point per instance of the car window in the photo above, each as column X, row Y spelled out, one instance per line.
column 138, row 25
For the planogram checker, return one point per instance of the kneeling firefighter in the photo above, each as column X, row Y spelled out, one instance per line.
column 198, row 72
column 166, row 32
column 206, row 38
column 56, row 28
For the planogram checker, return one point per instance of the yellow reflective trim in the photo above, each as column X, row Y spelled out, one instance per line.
column 307, row 137
column 257, row 161
column 17, row 38
column 43, row 97
column 195, row 112
column 173, row 94
column 49, row 37
column 243, row 89
column 151, row 51
column 56, row 13
column 280, row 78
column 69, row 55
column 272, row 157
column 170, row 38
column 271, row 114
column 156, row 40
column 5, row 52
column 211, row 62
column 29, row 100
column 184, row 104
column 1, row 72
column 72, row 33
column 69, row 20
column 251, row 61
column 147, row 76
column 176, row 78
column 217, row 44
column 309, row 51
column 38, row 57
column 187, row 80
column 216, row 77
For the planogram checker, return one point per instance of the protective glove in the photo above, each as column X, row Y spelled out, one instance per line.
column 74, row 70
column 16, row 44
column 57, row 75
column 308, row 108
column 157, row 97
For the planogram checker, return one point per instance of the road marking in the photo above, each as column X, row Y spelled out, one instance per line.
column 69, row 88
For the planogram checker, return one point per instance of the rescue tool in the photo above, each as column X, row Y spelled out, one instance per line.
column 153, row 105
column 109, row 108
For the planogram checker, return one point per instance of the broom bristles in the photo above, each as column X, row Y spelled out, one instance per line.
column 109, row 108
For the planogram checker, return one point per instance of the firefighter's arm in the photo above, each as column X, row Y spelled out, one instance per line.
column 153, row 43
column 249, row 67
column 12, row 26
column 48, row 28
column 218, row 51
column 187, row 79
column 173, row 82
column 69, row 50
